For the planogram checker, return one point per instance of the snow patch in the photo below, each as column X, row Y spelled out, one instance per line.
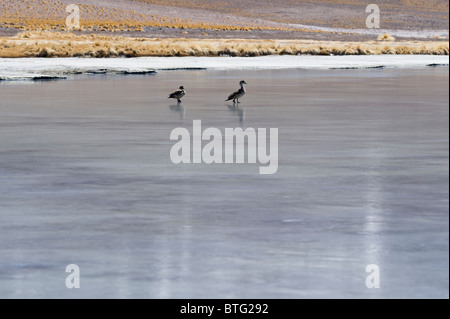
column 35, row 68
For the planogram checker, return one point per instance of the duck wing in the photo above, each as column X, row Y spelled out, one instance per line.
column 233, row 95
column 175, row 94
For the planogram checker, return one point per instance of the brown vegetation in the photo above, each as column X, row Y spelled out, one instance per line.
column 56, row 44
column 386, row 37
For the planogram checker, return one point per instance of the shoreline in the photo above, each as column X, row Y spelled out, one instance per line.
column 39, row 69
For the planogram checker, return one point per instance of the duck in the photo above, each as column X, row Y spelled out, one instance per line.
column 178, row 94
column 236, row 95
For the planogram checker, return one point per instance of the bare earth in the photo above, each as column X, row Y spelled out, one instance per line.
column 262, row 19
column 327, row 26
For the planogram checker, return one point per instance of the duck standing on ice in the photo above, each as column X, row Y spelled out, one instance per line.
column 236, row 95
column 178, row 94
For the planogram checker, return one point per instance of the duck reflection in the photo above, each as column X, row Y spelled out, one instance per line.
column 178, row 108
column 240, row 112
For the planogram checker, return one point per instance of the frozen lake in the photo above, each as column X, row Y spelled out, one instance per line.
column 363, row 178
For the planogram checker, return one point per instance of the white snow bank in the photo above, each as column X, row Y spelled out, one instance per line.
column 30, row 67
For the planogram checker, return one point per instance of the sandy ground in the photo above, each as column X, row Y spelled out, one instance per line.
column 407, row 15
column 279, row 19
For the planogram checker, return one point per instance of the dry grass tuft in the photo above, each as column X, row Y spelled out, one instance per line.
column 57, row 44
column 386, row 37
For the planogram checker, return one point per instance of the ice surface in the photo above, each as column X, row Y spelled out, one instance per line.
column 86, row 178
